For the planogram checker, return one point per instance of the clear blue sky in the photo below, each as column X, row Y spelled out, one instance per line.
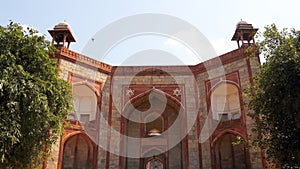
column 216, row 19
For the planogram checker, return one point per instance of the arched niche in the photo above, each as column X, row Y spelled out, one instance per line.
column 154, row 163
column 225, row 102
column 161, row 121
column 155, row 158
column 78, row 152
column 151, row 115
column 230, row 152
column 85, row 103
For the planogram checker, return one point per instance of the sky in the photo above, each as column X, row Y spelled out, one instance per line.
column 215, row 19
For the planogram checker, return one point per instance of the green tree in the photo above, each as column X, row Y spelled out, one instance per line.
column 275, row 97
column 33, row 99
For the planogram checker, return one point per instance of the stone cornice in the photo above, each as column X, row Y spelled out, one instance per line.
column 224, row 59
column 64, row 53
column 83, row 60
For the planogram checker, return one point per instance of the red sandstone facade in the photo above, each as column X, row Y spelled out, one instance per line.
column 88, row 143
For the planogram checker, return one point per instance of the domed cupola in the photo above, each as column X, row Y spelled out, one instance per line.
column 244, row 33
column 62, row 34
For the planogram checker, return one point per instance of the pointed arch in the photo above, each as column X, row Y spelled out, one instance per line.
column 154, row 162
column 89, row 85
column 225, row 101
column 154, row 158
column 138, row 106
column 228, row 153
column 228, row 131
column 172, row 100
column 221, row 82
column 78, row 152
column 85, row 102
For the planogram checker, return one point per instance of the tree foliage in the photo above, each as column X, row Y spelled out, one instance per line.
column 33, row 99
column 275, row 97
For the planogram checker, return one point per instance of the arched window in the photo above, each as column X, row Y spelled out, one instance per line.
column 85, row 103
column 229, row 153
column 154, row 163
column 78, row 153
column 225, row 102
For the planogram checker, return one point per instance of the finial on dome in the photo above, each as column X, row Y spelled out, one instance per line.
column 242, row 22
column 62, row 25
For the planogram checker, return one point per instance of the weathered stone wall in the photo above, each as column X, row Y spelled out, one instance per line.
column 65, row 69
column 103, row 134
column 187, row 86
column 241, row 67
column 112, row 107
column 255, row 155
